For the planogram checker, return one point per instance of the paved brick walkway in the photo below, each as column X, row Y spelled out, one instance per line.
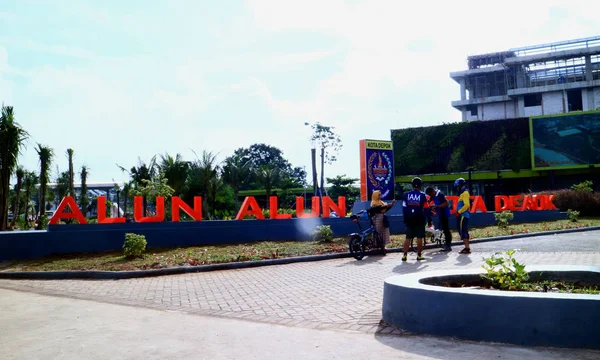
column 334, row 294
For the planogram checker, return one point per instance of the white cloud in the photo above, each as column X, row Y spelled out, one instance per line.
column 385, row 64
column 6, row 95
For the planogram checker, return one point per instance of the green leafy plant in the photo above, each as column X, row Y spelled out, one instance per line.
column 43, row 222
column 323, row 233
column 504, row 272
column 503, row 218
column 585, row 186
column 134, row 245
column 573, row 215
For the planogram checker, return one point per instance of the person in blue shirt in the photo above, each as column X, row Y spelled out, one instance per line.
column 462, row 213
column 415, row 209
column 442, row 208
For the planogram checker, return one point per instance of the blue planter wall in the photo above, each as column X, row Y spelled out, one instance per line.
column 62, row 239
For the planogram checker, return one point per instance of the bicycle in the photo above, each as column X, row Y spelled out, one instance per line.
column 432, row 235
column 361, row 241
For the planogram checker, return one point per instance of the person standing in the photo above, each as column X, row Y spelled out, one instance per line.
column 416, row 211
column 379, row 217
column 442, row 208
column 462, row 213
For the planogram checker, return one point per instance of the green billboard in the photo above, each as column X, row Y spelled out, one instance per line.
column 565, row 141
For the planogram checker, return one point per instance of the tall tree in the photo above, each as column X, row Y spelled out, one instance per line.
column 236, row 171
column 330, row 144
column 343, row 186
column 70, row 153
column 30, row 182
column 260, row 155
column 127, row 193
column 46, row 154
column 83, row 200
column 12, row 138
column 175, row 170
column 62, row 185
column 201, row 177
column 268, row 176
column 140, row 173
column 20, row 173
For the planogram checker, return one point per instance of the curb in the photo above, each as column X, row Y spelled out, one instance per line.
column 119, row 275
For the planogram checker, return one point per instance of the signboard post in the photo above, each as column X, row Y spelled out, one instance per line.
column 376, row 169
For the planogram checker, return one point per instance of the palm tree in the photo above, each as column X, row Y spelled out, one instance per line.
column 175, row 170
column 62, row 186
column 215, row 185
column 12, row 137
column 235, row 172
column 70, row 153
column 126, row 191
column 84, row 189
column 30, row 181
column 142, row 172
column 201, row 175
column 46, row 154
column 20, row 173
column 269, row 177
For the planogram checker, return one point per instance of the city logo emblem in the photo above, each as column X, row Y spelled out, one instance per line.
column 379, row 169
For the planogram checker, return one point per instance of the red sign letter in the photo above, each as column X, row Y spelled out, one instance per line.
column 61, row 214
column 178, row 204
column 478, row 204
column 329, row 205
column 138, row 213
column 501, row 203
column 316, row 208
column 102, row 213
column 273, row 210
column 249, row 207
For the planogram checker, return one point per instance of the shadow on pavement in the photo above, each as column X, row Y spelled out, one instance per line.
column 370, row 259
column 432, row 347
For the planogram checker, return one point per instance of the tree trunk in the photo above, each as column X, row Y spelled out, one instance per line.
column 236, row 193
column 4, row 213
column 17, row 204
column 314, row 170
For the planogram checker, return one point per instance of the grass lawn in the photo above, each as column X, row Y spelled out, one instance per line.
column 202, row 255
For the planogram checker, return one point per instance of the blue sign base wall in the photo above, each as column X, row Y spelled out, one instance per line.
column 63, row 239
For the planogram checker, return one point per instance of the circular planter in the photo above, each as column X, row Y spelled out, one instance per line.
column 514, row 317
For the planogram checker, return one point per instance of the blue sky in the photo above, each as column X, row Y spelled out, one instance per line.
column 115, row 80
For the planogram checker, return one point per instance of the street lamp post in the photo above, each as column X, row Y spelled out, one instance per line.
column 313, row 155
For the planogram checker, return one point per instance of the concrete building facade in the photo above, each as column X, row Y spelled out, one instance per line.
column 536, row 80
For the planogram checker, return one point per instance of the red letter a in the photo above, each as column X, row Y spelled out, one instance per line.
column 61, row 214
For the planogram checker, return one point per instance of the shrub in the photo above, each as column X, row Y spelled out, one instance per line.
column 587, row 203
column 503, row 218
column 43, row 220
column 573, row 215
column 504, row 272
column 323, row 233
column 134, row 245
column 585, row 186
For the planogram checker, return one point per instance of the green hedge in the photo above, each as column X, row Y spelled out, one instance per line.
column 485, row 145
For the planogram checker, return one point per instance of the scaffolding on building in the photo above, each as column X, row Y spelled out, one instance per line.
column 533, row 66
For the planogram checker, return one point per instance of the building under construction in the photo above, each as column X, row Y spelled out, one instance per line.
column 536, row 80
